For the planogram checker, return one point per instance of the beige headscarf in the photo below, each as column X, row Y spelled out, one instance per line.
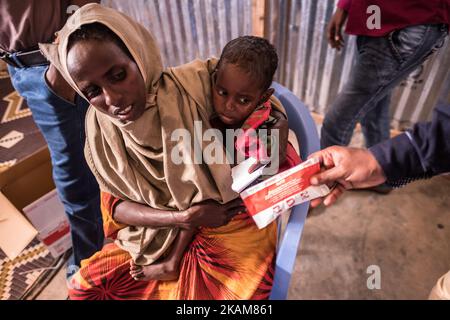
column 132, row 161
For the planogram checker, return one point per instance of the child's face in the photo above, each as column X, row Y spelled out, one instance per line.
column 108, row 78
column 236, row 94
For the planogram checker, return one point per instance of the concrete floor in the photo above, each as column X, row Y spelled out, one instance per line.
column 405, row 233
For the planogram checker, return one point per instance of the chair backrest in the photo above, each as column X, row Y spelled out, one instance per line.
column 301, row 122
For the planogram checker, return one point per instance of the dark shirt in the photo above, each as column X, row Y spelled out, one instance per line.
column 419, row 153
column 394, row 14
column 25, row 23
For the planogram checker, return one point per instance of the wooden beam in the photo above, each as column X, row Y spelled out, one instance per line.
column 258, row 7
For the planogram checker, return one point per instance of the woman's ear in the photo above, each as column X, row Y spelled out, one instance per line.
column 266, row 95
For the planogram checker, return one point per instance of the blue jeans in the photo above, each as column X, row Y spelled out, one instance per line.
column 381, row 64
column 62, row 125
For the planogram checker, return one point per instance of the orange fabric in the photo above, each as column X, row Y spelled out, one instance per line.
column 107, row 205
column 231, row 262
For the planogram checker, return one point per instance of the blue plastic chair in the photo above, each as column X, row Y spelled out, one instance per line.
column 301, row 122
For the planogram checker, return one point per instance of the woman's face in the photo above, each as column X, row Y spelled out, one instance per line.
column 108, row 78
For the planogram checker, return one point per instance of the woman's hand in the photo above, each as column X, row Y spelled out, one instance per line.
column 210, row 214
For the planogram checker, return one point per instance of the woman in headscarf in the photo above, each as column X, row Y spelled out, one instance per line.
column 135, row 108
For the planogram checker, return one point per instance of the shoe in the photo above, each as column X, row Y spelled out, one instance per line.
column 71, row 267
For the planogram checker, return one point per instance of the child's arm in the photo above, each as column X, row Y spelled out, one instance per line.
column 168, row 267
column 283, row 126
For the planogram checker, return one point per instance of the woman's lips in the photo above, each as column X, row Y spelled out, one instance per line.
column 125, row 113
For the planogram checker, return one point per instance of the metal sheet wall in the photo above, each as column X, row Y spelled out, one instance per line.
column 188, row 29
column 316, row 73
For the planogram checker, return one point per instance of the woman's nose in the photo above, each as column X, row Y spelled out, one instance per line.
column 113, row 98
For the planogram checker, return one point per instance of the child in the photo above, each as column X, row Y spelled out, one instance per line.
column 241, row 93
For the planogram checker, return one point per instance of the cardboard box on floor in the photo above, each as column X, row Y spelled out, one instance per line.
column 20, row 185
column 48, row 216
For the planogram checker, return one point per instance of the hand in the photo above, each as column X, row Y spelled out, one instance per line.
column 351, row 168
column 211, row 214
column 58, row 84
column 334, row 29
column 282, row 126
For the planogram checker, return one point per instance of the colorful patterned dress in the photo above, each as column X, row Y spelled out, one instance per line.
column 235, row 261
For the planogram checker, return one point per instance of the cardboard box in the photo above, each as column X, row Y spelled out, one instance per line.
column 15, row 231
column 28, row 180
column 48, row 216
column 20, row 185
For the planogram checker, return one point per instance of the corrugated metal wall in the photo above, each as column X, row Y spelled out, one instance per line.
column 316, row 73
column 188, row 29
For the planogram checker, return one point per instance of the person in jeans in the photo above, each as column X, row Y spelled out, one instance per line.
column 57, row 110
column 409, row 31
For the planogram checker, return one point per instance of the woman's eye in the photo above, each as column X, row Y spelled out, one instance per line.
column 221, row 92
column 119, row 76
column 92, row 93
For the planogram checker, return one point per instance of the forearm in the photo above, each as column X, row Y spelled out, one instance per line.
column 139, row 215
column 420, row 153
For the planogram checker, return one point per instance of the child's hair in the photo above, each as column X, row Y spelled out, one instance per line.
column 254, row 55
column 99, row 32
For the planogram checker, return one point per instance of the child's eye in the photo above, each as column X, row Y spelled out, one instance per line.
column 221, row 92
column 244, row 100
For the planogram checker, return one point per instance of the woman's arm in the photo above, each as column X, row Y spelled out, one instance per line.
column 206, row 214
column 139, row 215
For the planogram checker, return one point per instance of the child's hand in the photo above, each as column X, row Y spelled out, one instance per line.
column 282, row 126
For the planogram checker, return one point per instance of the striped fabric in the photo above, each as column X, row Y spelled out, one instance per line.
column 231, row 262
